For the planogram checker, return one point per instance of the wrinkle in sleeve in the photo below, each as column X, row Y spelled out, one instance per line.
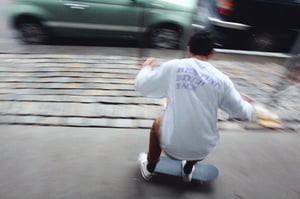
column 233, row 104
column 152, row 83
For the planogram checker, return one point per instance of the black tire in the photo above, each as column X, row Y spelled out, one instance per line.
column 32, row 32
column 165, row 37
column 263, row 41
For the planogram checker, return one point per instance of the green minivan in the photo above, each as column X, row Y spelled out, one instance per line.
column 160, row 23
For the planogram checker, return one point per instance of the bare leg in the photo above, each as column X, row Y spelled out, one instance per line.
column 154, row 145
column 155, row 150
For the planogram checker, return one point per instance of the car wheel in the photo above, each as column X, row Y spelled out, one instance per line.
column 165, row 37
column 263, row 41
column 33, row 32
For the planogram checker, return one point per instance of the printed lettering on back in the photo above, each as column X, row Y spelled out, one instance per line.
column 188, row 78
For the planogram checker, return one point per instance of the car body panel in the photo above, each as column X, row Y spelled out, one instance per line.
column 39, row 9
column 104, row 18
column 267, row 25
column 84, row 18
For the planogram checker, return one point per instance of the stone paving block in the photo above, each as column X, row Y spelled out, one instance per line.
column 80, row 99
column 293, row 126
column 77, row 121
column 30, row 108
column 5, row 91
column 97, row 122
column 51, row 121
column 12, row 108
column 7, row 119
column 230, row 126
column 125, row 123
column 5, row 106
column 288, row 114
column 28, row 120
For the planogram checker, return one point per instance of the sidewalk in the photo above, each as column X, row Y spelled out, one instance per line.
column 93, row 163
column 98, row 91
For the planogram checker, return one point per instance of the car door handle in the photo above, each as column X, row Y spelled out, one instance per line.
column 76, row 6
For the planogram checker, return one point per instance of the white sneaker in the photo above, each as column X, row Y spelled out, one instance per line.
column 142, row 159
column 186, row 177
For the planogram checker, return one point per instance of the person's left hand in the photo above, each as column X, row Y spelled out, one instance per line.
column 246, row 98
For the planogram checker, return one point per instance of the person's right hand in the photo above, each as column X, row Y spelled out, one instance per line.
column 149, row 62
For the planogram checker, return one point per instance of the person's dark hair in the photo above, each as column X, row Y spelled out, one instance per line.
column 201, row 43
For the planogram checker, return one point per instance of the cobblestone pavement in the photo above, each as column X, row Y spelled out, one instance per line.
column 98, row 91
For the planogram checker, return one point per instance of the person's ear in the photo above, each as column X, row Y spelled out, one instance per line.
column 188, row 49
column 211, row 54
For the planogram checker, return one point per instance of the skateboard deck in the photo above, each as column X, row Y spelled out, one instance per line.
column 203, row 172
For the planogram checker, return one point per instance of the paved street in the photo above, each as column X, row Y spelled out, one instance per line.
column 92, row 163
column 98, row 90
column 73, row 91
column 72, row 126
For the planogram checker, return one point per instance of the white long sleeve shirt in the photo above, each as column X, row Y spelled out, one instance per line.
column 195, row 90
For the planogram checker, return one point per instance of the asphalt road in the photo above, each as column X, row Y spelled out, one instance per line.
column 93, row 163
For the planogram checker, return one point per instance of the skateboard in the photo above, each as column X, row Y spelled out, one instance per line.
column 203, row 172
